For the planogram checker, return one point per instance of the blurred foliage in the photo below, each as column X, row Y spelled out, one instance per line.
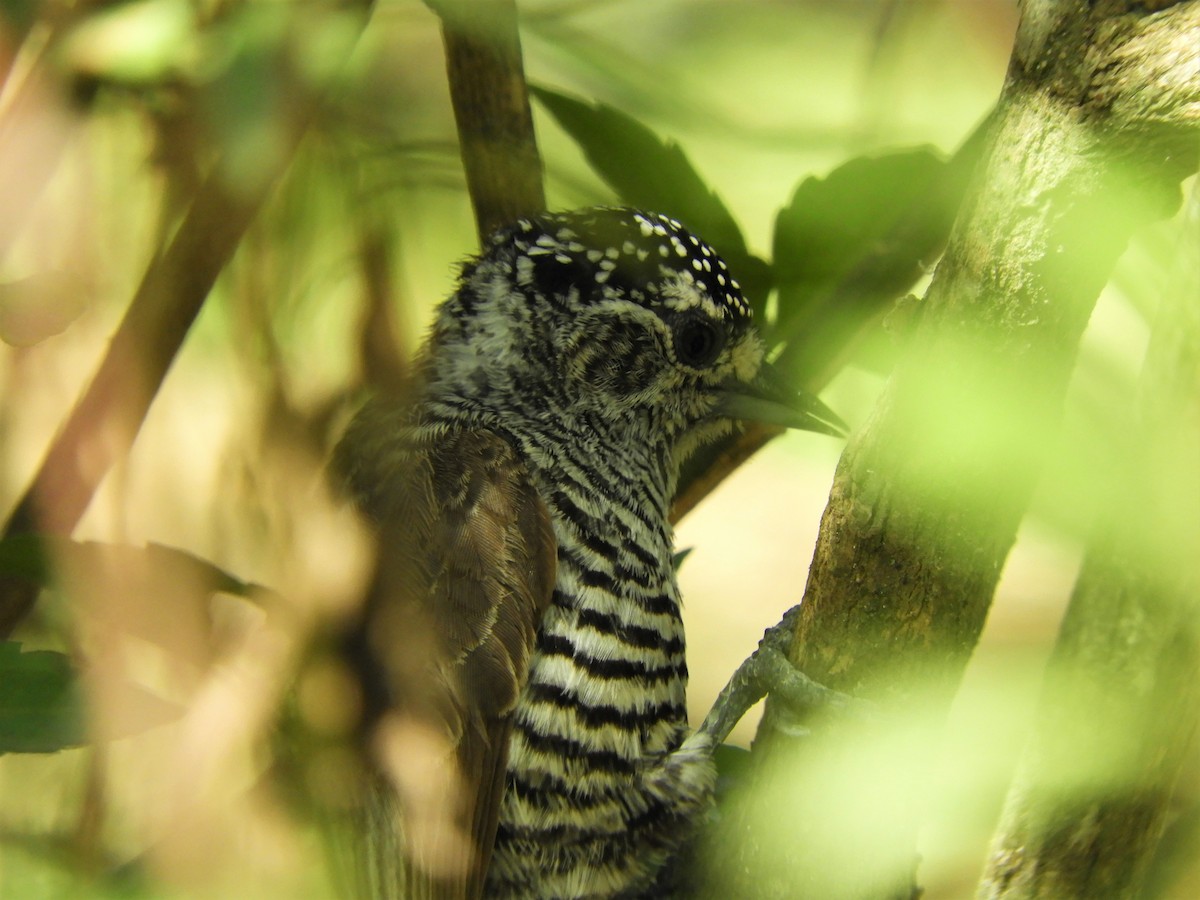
column 39, row 558
column 41, row 708
column 147, row 42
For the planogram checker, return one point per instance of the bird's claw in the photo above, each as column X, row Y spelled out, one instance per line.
column 769, row 671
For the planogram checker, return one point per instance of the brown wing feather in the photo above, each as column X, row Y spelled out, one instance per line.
column 465, row 568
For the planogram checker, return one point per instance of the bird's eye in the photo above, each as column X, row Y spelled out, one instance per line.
column 698, row 341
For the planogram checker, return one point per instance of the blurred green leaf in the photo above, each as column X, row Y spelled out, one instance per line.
column 23, row 556
column 244, row 95
column 20, row 14
column 655, row 174
column 848, row 244
column 41, row 708
column 142, row 42
column 832, row 223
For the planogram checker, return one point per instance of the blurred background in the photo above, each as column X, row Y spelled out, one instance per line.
column 110, row 114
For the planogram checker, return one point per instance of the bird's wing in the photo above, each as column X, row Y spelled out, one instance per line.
column 465, row 568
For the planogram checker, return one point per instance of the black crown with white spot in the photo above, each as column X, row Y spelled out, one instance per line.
column 606, row 252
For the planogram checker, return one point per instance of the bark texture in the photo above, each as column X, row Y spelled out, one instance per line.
column 491, row 109
column 1095, row 128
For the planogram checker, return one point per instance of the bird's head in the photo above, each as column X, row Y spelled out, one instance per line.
column 621, row 318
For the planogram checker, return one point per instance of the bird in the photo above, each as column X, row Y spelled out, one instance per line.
column 522, row 628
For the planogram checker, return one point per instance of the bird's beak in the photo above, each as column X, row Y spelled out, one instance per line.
column 767, row 399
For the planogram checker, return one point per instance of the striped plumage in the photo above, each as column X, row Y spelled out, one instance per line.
column 581, row 358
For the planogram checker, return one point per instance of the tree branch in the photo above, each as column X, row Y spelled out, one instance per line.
column 491, row 109
column 928, row 496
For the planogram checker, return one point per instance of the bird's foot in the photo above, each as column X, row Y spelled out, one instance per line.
column 769, row 670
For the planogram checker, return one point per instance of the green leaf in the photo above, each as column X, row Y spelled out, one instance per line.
column 850, row 244
column 833, row 223
column 41, row 706
column 17, row 17
column 655, row 174
column 847, row 245
column 23, row 556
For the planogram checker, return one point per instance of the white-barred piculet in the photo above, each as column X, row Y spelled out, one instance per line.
column 525, row 609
